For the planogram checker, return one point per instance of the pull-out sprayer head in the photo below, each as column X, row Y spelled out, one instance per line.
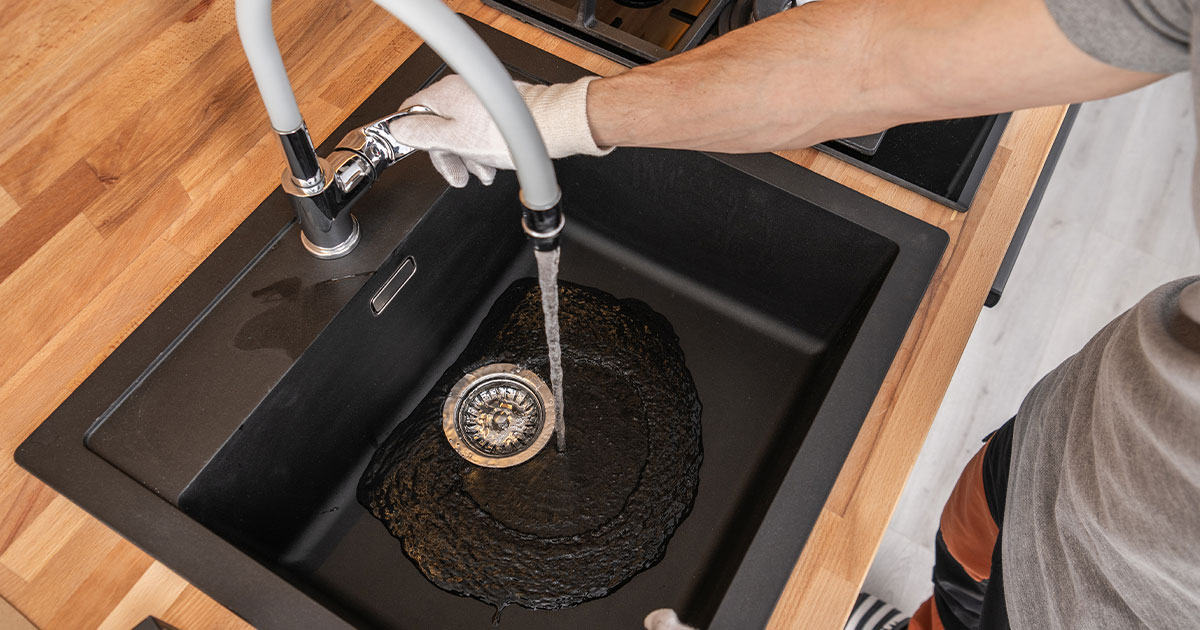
column 543, row 226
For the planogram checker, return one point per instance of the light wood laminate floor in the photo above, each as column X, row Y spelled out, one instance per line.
column 1116, row 222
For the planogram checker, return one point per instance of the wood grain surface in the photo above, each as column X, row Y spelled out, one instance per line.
column 134, row 141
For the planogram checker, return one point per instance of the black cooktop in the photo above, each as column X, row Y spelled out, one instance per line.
column 943, row 160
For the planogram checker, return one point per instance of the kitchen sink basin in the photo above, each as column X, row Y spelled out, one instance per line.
column 227, row 434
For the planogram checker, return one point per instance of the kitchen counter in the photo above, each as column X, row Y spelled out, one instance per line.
column 135, row 142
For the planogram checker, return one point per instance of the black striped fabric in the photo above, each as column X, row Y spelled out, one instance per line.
column 872, row 613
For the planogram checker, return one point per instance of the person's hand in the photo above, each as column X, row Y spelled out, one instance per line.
column 664, row 619
column 462, row 138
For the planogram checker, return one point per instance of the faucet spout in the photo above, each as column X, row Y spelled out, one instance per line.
column 323, row 189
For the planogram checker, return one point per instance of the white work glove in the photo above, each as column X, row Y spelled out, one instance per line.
column 462, row 138
column 664, row 619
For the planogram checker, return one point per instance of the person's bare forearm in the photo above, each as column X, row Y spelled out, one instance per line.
column 840, row 68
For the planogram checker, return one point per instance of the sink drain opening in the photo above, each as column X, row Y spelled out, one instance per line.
column 499, row 415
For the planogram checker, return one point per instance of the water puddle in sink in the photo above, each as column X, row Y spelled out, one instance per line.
column 296, row 312
column 547, row 266
column 566, row 526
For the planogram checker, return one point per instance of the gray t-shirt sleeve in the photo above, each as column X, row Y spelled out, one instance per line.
column 1101, row 523
column 1142, row 35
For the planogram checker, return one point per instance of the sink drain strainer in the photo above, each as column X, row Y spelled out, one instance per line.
column 499, row 415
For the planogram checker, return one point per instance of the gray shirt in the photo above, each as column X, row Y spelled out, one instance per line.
column 1102, row 523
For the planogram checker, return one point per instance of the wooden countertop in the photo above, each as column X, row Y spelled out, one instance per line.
column 134, row 142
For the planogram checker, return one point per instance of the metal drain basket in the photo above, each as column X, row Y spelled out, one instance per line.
column 499, row 415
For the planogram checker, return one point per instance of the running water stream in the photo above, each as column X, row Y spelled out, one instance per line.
column 547, row 264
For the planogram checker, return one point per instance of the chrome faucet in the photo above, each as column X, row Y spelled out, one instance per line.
column 324, row 189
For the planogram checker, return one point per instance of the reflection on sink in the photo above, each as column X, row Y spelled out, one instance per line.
column 295, row 316
column 790, row 296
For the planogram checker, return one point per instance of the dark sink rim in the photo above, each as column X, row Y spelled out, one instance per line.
column 56, row 452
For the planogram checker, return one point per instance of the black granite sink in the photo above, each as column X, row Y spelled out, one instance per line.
column 227, row 434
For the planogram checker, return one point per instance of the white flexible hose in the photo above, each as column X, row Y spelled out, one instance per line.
column 456, row 43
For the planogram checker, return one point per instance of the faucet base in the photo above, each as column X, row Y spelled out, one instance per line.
column 335, row 251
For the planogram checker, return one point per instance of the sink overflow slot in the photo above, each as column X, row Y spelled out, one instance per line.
column 391, row 288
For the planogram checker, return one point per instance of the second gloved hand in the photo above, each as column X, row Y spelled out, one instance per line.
column 664, row 619
column 463, row 140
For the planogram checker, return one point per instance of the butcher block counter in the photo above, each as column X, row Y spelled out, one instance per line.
column 134, row 142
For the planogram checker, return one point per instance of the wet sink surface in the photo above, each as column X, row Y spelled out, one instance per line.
column 227, row 435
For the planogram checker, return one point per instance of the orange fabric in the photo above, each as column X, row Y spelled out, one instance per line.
column 967, row 525
column 926, row 618
column 969, row 533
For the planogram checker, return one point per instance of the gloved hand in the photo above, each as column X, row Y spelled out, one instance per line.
column 664, row 619
column 462, row 138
